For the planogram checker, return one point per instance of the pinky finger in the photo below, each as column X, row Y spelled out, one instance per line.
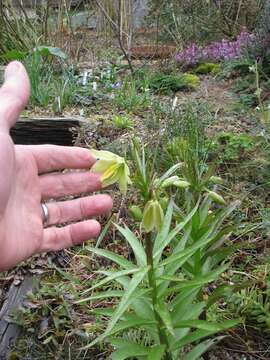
column 55, row 238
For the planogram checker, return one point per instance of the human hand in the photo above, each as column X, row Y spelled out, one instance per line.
column 28, row 176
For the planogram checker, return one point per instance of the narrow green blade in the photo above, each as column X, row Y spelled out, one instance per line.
column 200, row 349
column 129, row 350
column 124, row 304
column 197, row 281
column 135, row 244
column 162, row 235
column 165, row 317
column 113, row 276
column 156, row 352
column 101, row 295
column 202, row 324
column 131, row 321
column 169, row 237
column 200, row 334
column 120, row 260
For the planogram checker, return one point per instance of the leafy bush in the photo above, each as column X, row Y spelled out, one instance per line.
column 167, row 84
column 253, row 303
column 232, row 147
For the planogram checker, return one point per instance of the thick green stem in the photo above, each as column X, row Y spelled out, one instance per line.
column 152, row 283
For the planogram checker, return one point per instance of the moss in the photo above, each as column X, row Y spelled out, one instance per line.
column 207, row 68
column 191, row 81
column 13, row 356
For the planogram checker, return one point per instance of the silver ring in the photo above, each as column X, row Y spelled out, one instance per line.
column 45, row 211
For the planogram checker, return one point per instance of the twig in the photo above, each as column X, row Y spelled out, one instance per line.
column 118, row 31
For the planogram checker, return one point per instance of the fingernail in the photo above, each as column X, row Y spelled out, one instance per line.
column 12, row 69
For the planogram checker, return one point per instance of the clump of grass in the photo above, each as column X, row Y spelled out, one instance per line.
column 128, row 97
column 122, row 122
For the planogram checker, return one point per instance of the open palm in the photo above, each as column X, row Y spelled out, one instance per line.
column 30, row 175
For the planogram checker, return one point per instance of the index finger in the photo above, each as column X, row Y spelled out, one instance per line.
column 54, row 157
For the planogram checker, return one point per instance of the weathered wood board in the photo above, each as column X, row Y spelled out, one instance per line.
column 13, row 300
column 57, row 131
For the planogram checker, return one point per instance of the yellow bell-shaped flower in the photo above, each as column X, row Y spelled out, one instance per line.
column 113, row 169
column 152, row 216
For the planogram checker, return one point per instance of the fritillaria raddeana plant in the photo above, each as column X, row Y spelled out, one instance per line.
column 161, row 293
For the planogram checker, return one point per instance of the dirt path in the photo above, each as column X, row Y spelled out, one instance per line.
column 224, row 104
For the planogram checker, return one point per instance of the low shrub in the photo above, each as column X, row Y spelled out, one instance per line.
column 207, row 68
column 168, row 84
column 215, row 51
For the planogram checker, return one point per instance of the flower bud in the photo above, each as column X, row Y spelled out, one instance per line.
column 216, row 180
column 152, row 216
column 164, row 201
column 169, row 182
column 182, row 184
column 136, row 212
column 216, row 197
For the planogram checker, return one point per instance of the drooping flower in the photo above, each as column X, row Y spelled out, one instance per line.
column 152, row 216
column 113, row 169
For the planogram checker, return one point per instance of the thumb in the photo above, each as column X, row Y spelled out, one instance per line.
column 14, row 94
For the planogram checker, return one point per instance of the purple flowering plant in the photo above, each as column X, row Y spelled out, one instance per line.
column 216, row 51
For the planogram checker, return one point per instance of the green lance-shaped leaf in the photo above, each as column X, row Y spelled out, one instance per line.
column 113, row 276
column 165, row 317
column 118, row 259
column 113, row 168
column 135, row 244
column 131, row 321
column 200, row 324
column 124, row 304
column 201, row 348
column 200, row 334
column 152, row 216
column 156, row 352
column 127, row 298
column 162, row 235
column 183, row 255
column 140, row 294
column 127, row 349
column 164, row 238
column 101, row 295
column 197, row 281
